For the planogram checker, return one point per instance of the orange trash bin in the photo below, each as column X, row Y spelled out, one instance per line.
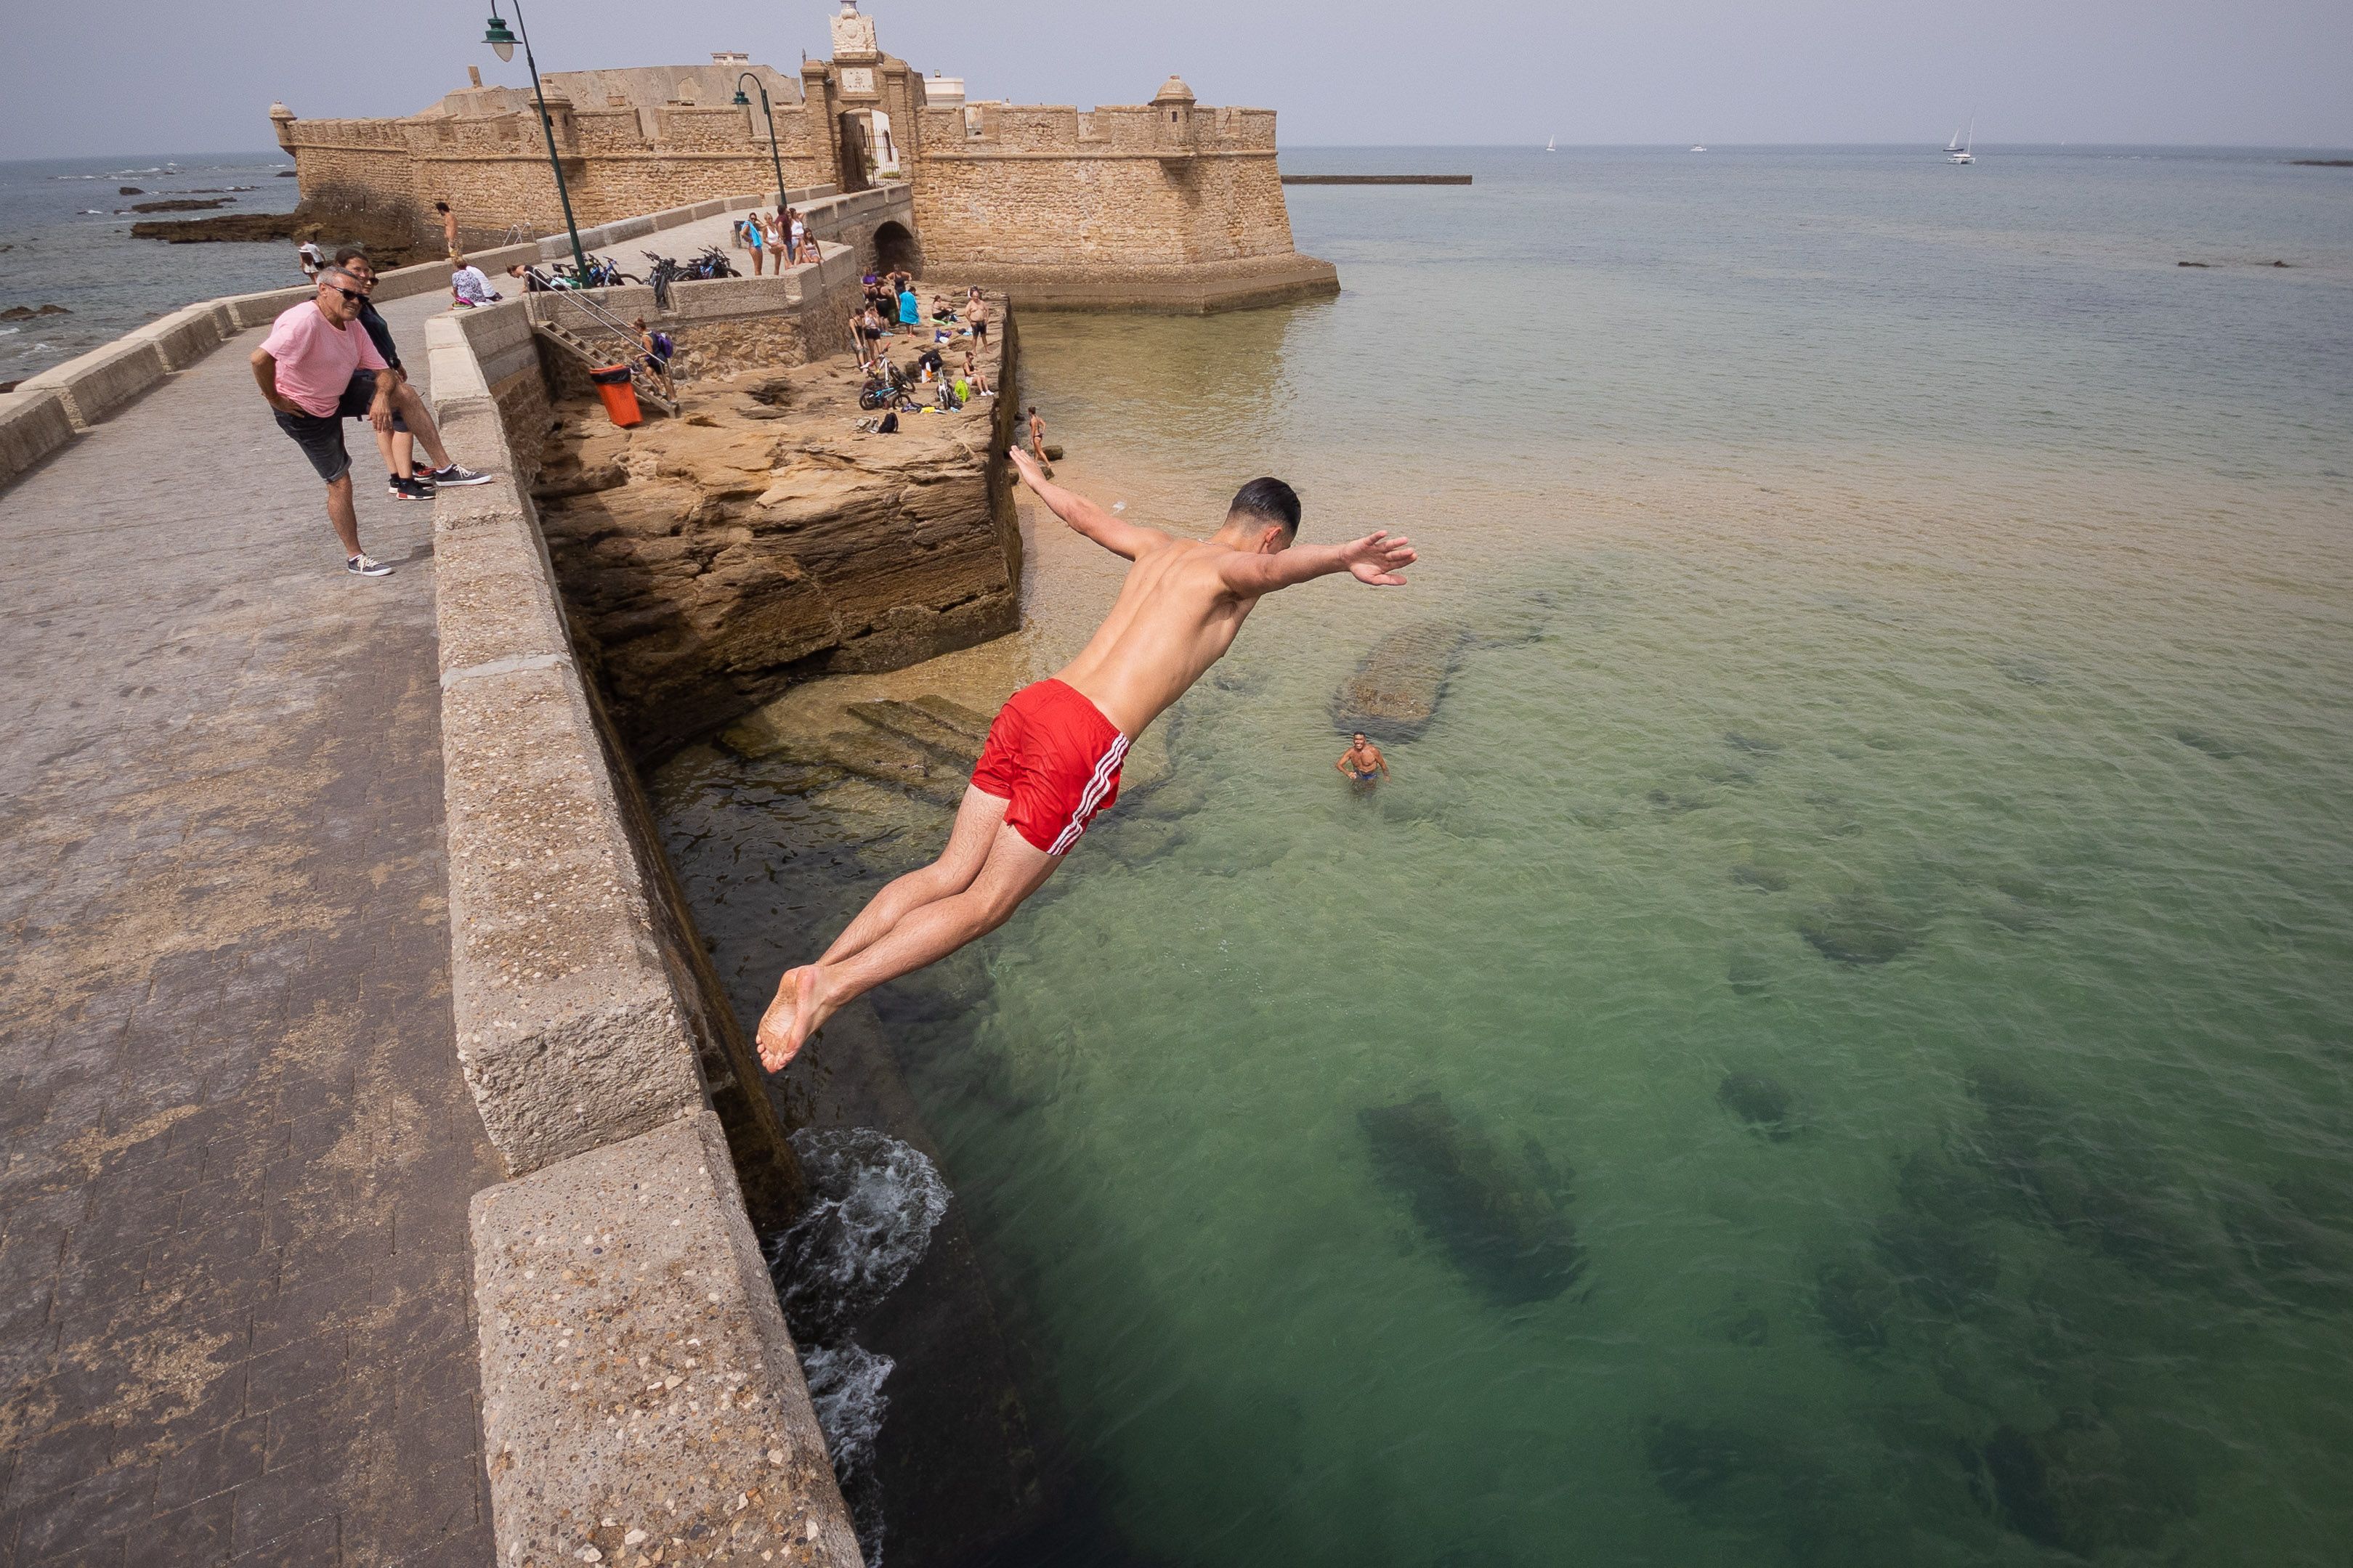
column 612, row 383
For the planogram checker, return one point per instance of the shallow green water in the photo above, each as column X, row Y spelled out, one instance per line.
column 1872, row 560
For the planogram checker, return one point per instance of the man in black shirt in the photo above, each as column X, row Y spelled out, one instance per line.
column 402, row 482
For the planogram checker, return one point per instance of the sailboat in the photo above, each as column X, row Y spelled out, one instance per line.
column 1957, row 150
column 1548, row 143
column 1699, row 146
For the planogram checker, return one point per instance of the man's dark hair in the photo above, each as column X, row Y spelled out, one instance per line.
column 440, row 206
column 352, row 253
column 1269, row 500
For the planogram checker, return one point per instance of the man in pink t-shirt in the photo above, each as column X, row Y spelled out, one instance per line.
column 318, row 368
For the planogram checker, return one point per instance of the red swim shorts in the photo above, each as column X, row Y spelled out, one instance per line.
column 1056, row 758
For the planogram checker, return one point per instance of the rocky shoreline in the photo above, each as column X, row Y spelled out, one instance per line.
column 712, row 561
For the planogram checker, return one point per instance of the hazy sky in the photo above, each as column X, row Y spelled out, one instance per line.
column 166, row 76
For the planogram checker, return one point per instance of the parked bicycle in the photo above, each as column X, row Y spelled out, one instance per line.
column 601, row 272
column 886, row 385
column 666, row 271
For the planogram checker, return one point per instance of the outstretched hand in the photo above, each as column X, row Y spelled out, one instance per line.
column 1026, row 466
column 1377, row 559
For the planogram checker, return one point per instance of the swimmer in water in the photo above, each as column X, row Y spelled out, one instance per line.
column 1362, row 762
column 1053, row 755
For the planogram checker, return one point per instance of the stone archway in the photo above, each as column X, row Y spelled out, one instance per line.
column 895, row 247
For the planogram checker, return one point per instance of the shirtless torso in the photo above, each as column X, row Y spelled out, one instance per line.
column 1053, row 755
column 1363, row 761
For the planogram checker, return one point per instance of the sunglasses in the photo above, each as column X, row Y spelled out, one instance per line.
column 354, row 295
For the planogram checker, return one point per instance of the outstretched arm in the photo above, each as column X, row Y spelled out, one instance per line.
column 1375, row 559
column 1128, row 538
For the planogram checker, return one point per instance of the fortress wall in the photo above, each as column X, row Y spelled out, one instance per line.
column 1122, row 209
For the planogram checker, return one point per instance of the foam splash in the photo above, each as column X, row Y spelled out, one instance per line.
column 874, row 1204
column 845, row 1384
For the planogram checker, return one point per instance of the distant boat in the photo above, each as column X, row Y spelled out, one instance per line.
column 1698, row 147
column 1957, row 150
column 1548, row 143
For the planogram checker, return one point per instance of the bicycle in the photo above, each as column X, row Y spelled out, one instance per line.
column 886, row 385
column 601, row 273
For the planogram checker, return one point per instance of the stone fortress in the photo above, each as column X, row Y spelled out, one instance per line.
column 1167, row 205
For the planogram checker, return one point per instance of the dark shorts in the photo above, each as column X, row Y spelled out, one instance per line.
column 980, row 331
column 320, row 436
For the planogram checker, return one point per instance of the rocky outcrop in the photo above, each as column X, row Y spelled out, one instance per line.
column 1395, row 690
column 389, row 237
column 711, row 562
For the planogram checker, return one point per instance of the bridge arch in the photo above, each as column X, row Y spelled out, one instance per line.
column 895, row 246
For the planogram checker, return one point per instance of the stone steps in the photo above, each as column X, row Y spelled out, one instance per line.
column 592, row 357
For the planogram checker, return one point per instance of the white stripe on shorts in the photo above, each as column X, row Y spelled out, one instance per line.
column 1099, row 783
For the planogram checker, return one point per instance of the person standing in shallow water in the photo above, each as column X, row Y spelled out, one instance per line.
column 1053, row 755
column 1362, row 762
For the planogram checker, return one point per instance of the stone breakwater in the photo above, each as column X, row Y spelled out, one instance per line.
column 712, row 561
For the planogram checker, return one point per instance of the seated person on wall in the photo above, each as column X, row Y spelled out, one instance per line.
column 470, row 286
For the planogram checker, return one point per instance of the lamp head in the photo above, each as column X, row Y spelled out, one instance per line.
column 742, row 102
column 501, row 41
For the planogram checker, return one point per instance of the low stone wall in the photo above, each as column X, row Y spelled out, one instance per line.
column 32, row 425
column 637, row 1368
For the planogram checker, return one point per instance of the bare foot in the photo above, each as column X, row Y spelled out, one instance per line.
column 810, row 1014
column 779, row 1038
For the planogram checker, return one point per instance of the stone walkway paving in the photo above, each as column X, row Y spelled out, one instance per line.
column 235, row 1277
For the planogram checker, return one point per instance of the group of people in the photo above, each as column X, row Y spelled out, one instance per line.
column 783, row 234
column 892, row 304
column 332, row 358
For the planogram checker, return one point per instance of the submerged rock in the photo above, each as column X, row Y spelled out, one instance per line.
column 1499, row 1217
column 1858, row 928
column 1754, row 744
column 1945, row 1267
column 1855, row 1301
column 1748, row 974
column 2081, row 1485
column 2287, row 1238
column 2078, row 1176
column 2213, row 745
column 1763, row 878
column 1759, row 1099
column 1395, row 688
column 922, row 728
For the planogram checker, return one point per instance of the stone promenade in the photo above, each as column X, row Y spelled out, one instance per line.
column 234, row 1287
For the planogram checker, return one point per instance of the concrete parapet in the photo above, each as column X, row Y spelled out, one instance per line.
column 457, row 372
column 636, row 1367
column 185, row 336
column 104, row 379
column 639, row 1388
column 32, row 425
column 569, row 1030
column 261, row 310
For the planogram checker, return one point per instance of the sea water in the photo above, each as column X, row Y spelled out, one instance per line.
column 65, row 240
column 1836, row 1045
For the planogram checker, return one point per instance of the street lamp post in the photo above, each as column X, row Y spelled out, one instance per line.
column 502, row 44
column 743, row 102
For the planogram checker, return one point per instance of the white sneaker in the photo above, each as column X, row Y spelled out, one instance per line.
column 366, row 565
